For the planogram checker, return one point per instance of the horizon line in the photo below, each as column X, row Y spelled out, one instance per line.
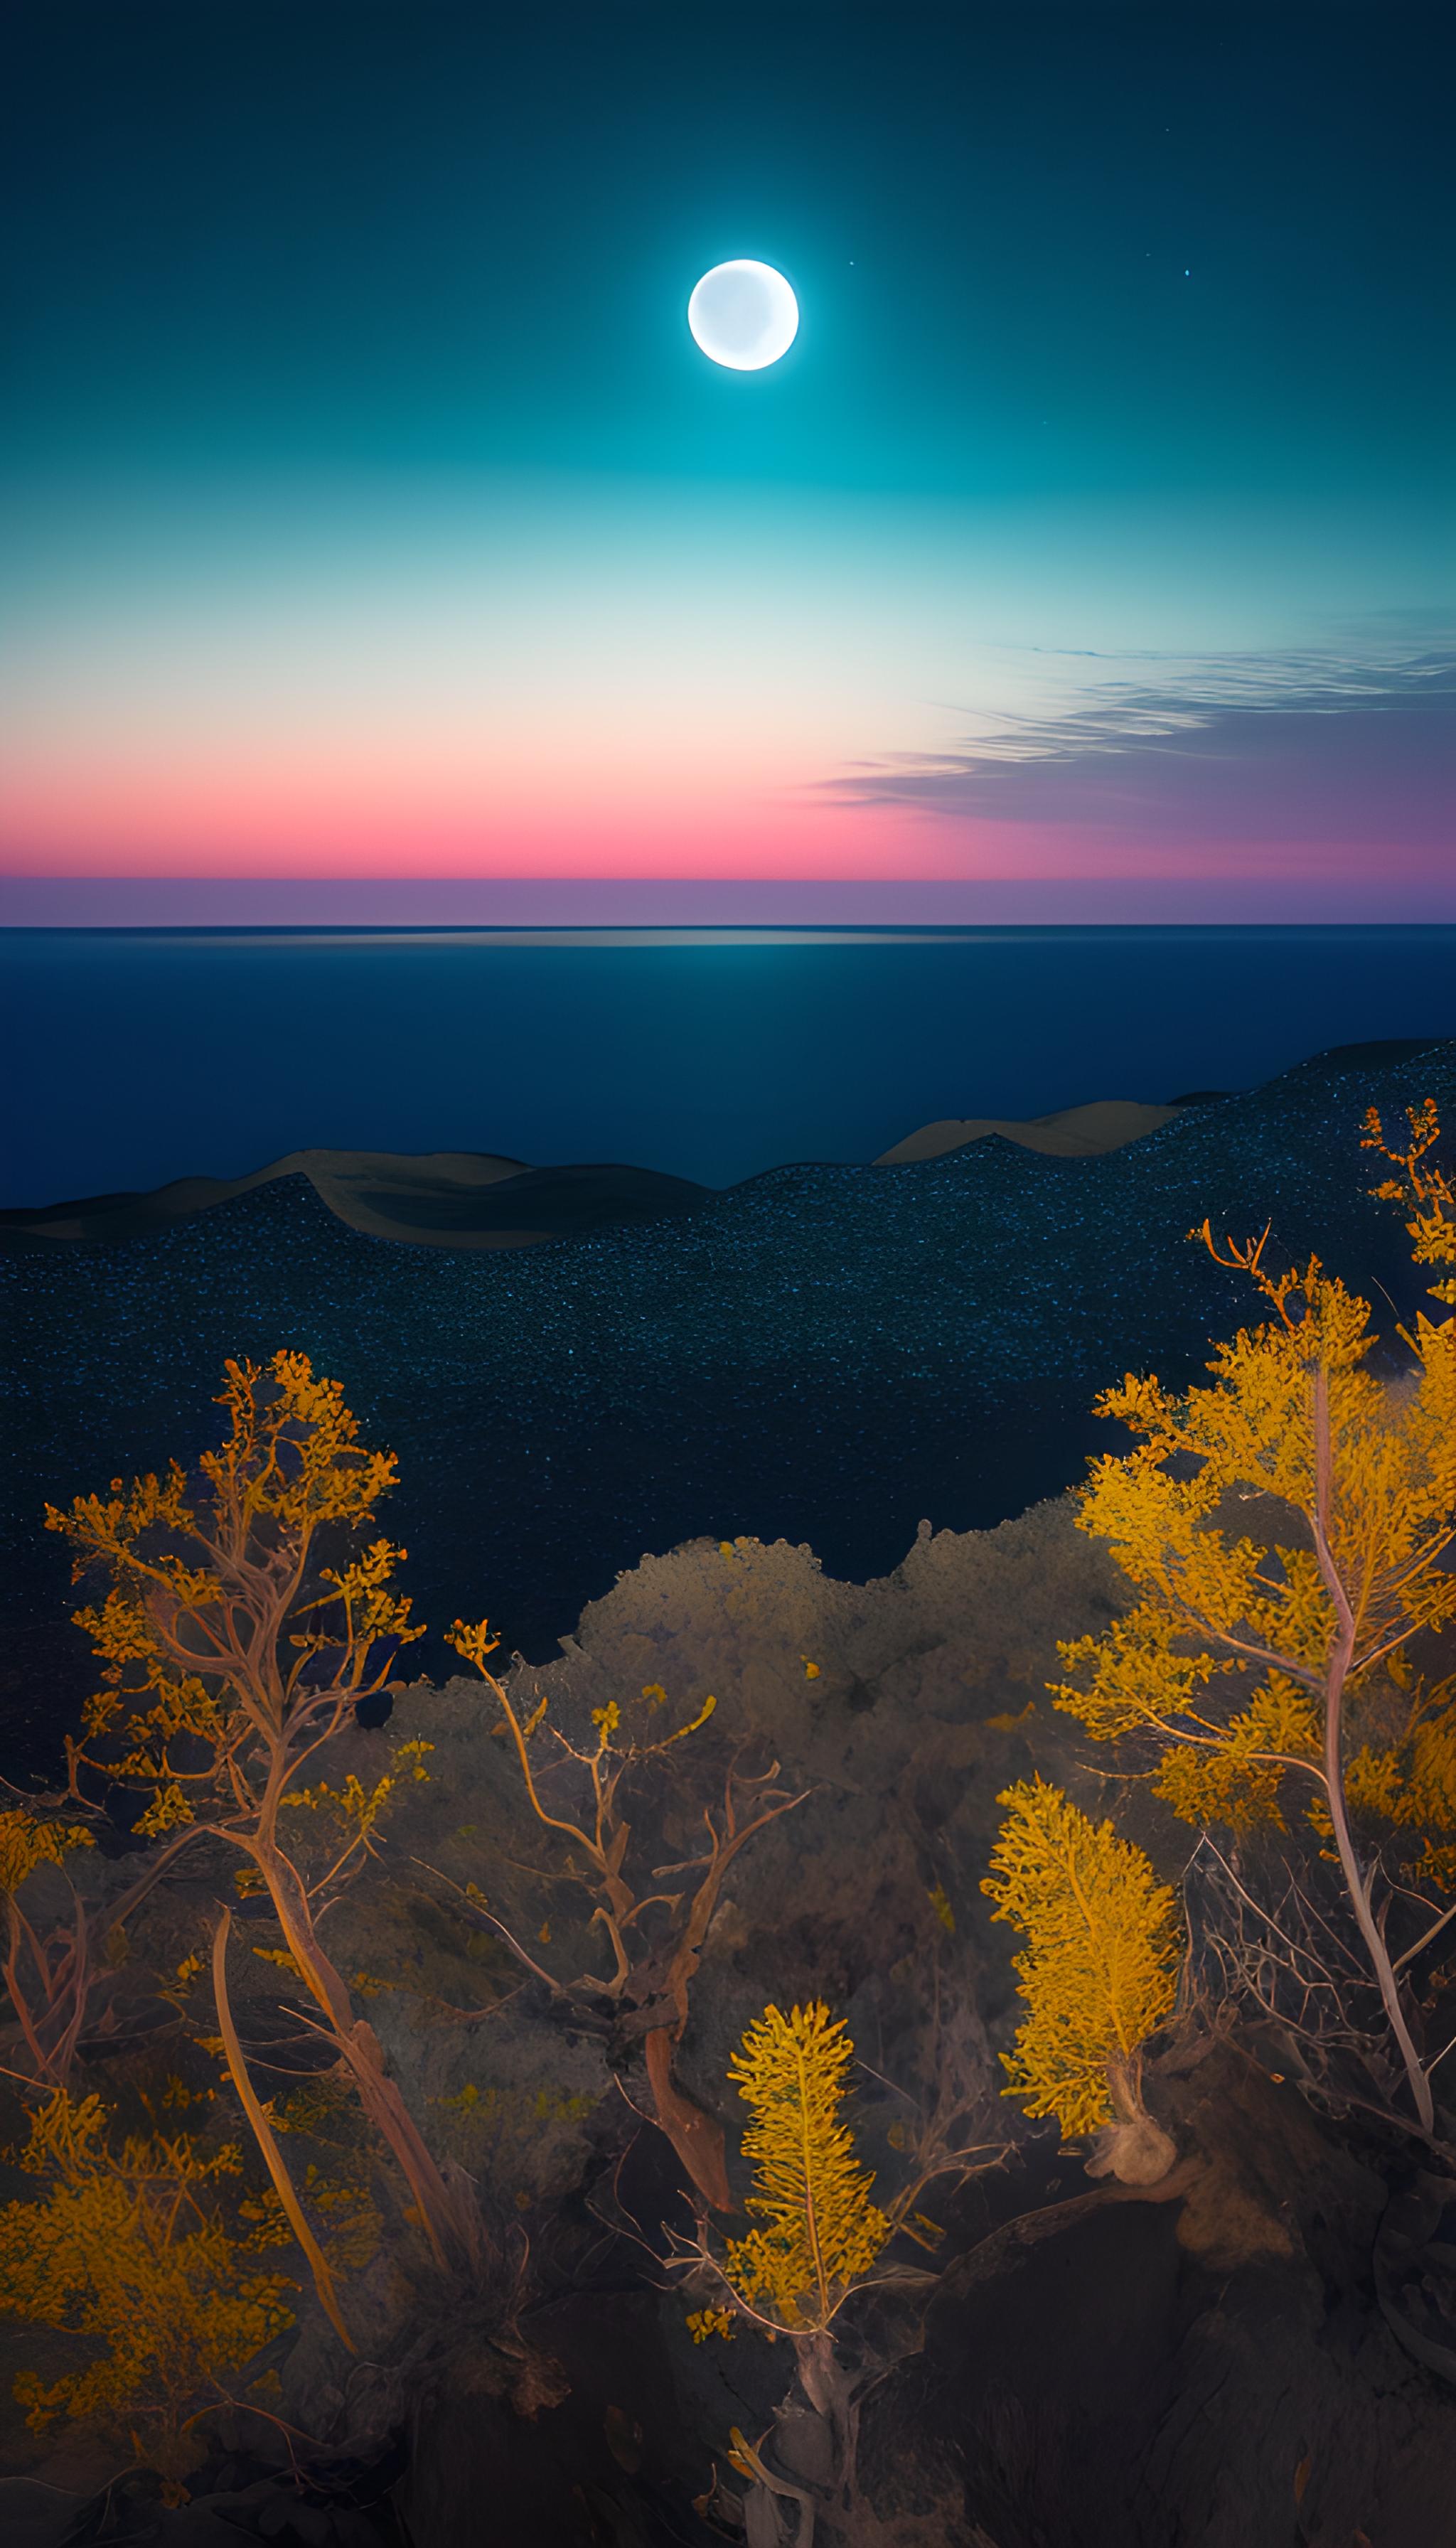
column 557, row 905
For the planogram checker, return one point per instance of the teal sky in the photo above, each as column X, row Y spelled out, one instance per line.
column 351, row 396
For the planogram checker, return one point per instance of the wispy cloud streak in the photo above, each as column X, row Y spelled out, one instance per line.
column 1343, row 748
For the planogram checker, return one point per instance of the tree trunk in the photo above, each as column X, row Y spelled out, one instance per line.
column 1336, row 1675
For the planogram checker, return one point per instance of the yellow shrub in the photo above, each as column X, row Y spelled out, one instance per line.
column 132, row 2252
column 1099, row 1974
column 820, row 2230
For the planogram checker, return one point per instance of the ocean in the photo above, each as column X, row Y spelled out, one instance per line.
column 139, row 1056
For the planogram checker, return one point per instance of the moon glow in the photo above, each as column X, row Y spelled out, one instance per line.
column 743, row 315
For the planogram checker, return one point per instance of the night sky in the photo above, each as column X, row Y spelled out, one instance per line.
column 370, row 512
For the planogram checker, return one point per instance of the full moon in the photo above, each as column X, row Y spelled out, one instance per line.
column 743, row 315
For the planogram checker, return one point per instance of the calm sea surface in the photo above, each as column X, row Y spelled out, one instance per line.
column 143, row 1056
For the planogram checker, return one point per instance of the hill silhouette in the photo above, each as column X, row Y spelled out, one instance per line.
column 481, row 1199
column 437, row 1199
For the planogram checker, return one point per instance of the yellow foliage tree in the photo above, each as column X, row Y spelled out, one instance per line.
column 133, row 2251
column 818, row 2236
column 818, row 2240
column 47, row 1977
column 1099, row 1974
column 1422, row 1187
column 1287, row 1530
column 819, row 2231
column 238, row 1640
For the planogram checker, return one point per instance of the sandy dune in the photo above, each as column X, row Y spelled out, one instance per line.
column 1077, row 1132
column 437, row 1199
column 358, row 1185
column 478, row 1199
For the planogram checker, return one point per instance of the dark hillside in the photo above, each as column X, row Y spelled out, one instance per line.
column 824, row 1354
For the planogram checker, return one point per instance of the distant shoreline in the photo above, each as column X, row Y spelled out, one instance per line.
column 481, row 1199
column 472, row 1200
